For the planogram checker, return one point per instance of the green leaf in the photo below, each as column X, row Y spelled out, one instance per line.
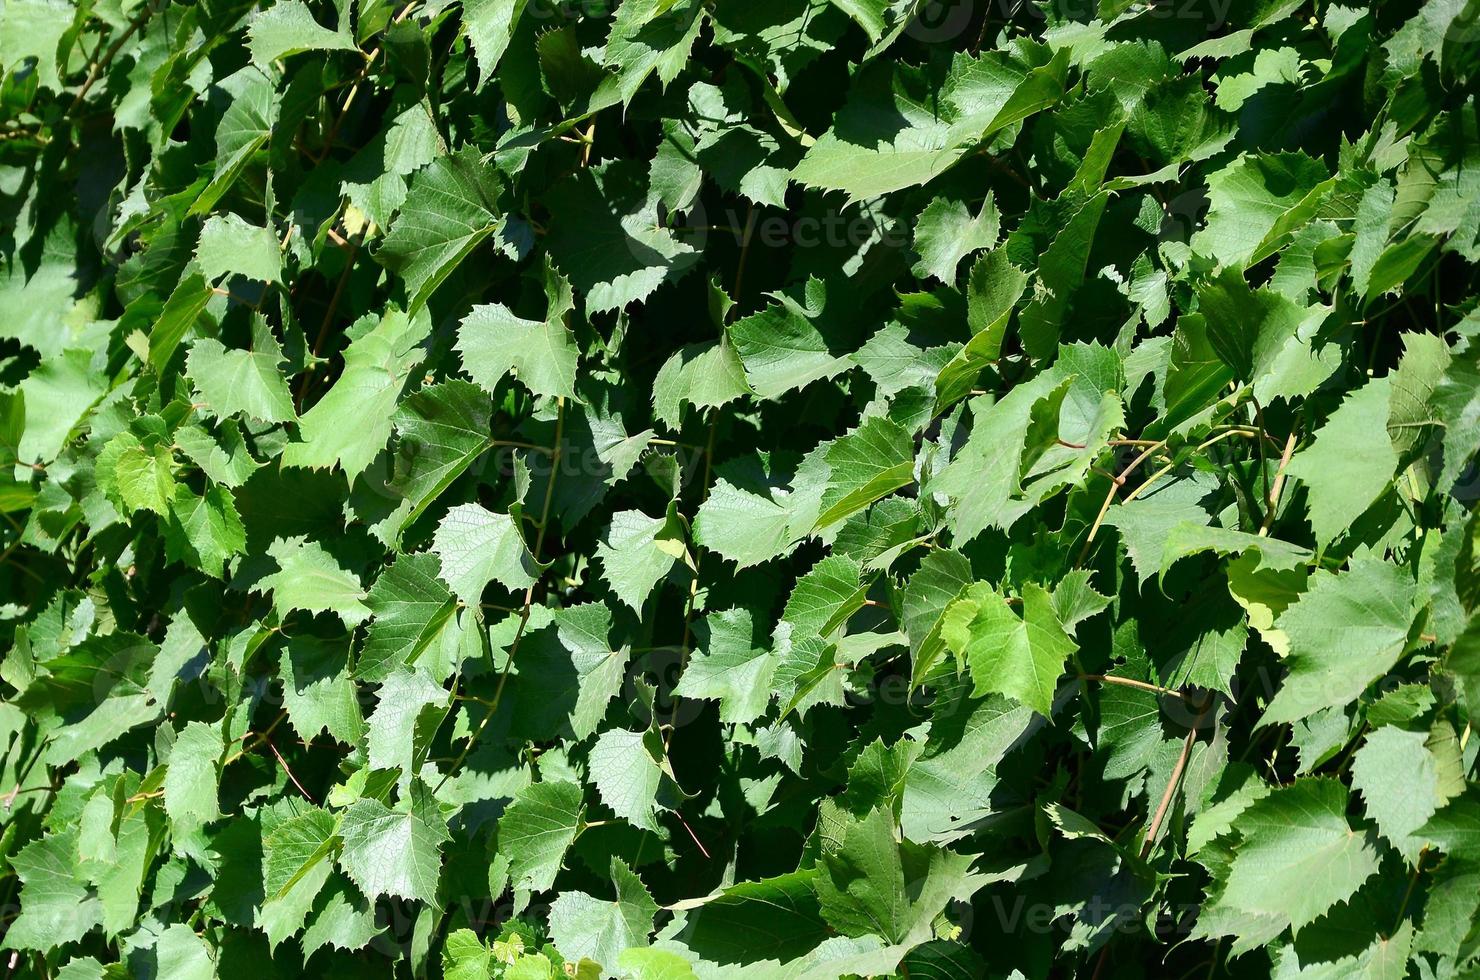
column 351, row 424
column 754, row 518
column 288, row 28
column 193, row 777
column 805, row 337
column 1019, row 656
column 568, row 669
column 1346, row 469
column 205, row 531
column 870, row 462
column 605, row 235
column 600, row 930
column 490, row 25
column 55, row 906
column 1298, row 855
column 242, row 382
column 781, row 913
column 413, row 610
column 1347, row 631
column 731, row 663
column 652, row 36
column 296, row 863
column 181, row 953
column 392, row 741
column 540, row 353
column 993, row 290
column 317, row 691
column 464, row 957
column 244, row 130
column 824, row 598
column 442, row 431
column 341, row 918
column 1247, row 200
column 34, row 29
column 57, row 396
column 638, row 552
column 947, row 232
column 873, row 885
column 1404, row 778
column 137, row 476
column 394, row 852
column 476, row 546
column 896, row 132
column 941, row 577
column 448, row 212
column 709, row 375
column 309, row 577
column 230, row 246
column 537, row 829
column 627, row 773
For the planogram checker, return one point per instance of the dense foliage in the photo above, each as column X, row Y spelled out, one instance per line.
column 718, row 488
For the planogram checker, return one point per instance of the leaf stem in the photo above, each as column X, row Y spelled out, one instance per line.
column 1132, row 682
column 1115, row 484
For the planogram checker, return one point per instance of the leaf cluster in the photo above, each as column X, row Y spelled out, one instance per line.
column 672, row 489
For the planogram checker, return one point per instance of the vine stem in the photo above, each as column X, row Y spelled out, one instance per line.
column 354, row 90
column 1412, row 883
column 539, row 543
column 257, row 739
column 744, row 254
column 1278, row 487
column 318, row 344
column 1154, row 830
column 1227, row 434
column 688, row 612
column 101, row 65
